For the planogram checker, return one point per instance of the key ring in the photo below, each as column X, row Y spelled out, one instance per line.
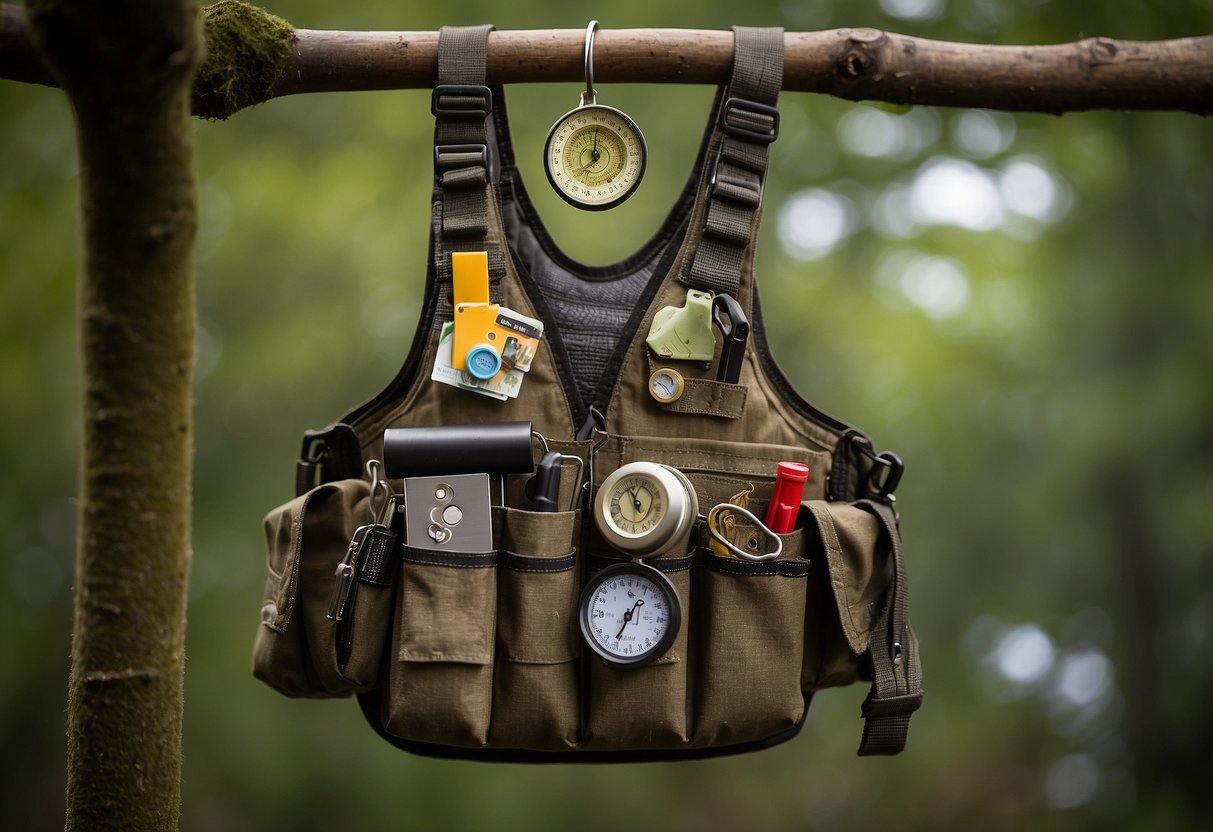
column 589, row 96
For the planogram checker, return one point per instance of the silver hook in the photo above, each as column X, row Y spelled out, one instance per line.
column 381, row 493
column 589, row 96
column 542, row 440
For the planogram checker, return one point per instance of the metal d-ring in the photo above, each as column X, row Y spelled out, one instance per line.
column 589, row 96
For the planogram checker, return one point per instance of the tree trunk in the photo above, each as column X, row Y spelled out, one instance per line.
column 137, row 325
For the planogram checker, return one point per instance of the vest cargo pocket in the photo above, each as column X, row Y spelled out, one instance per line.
column 847, row 541
column 643, row 707
column 748, row 639
column 535, row 703
column 295, row 651
column 440, row 686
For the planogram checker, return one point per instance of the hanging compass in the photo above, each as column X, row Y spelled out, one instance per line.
column 595, row 155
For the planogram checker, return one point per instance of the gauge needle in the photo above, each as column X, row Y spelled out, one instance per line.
column 628, row 616
column 595, row 156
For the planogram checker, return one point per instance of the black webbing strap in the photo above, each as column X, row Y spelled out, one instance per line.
column 462, row 106
column 749, row 123
column 896, row 671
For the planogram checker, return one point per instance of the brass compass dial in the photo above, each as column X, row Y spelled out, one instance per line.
column 595, row 157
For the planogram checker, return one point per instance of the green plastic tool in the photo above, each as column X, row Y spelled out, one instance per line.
column 685, row 332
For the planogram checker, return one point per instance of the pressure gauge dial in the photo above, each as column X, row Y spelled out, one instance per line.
column 629, row 614
column 595, row 157
column 645, row 508
column 666, row 385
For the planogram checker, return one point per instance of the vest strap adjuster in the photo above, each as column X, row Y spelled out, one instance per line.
column 451, row 156
column 749, row 120
column 461, row 101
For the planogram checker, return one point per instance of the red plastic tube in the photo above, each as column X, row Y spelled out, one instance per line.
column 790, row 478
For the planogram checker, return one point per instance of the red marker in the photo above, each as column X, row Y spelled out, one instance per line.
column 790, row 478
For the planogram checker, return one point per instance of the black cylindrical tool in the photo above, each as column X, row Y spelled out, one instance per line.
column 491, row 448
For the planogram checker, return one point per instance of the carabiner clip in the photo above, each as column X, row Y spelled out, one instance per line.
column 715, row 521
column 892, row 467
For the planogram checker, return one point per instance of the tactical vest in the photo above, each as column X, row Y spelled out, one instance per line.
column 477, row 655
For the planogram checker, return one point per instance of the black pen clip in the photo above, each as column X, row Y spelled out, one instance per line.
column 733, row 324
column 543, row 489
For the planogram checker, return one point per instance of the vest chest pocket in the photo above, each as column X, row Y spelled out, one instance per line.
column 747, row 642
column 484, row 652
column 639, row 707
column 535, row 701
column 440, row 684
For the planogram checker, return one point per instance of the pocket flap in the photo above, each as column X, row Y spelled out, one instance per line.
column 309, row 534
column 858, row 559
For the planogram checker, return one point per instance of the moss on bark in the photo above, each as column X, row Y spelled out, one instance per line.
column 247, row 48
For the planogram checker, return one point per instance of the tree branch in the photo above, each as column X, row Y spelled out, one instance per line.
column 854, row 64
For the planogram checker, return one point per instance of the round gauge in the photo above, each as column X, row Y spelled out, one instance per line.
column 644, row 508
column 594, row 157
column 629, row 613
column 666, row 385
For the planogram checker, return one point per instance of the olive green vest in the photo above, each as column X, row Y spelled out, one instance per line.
column 478, row 656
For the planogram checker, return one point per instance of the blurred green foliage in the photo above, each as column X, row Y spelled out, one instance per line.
column 1020, row 305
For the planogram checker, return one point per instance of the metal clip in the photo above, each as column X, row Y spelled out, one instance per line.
column 382, row 502
column 345, row 575
column 720, row 518
column 590, row 96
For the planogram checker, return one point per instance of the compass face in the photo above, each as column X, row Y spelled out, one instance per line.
column 629, row 614
column 645, row 508
column 595, row 157
column 636, row 505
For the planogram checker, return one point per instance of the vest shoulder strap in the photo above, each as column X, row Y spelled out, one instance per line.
column 749, row 123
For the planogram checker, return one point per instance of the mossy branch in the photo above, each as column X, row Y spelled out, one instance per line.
column 255, row 56
column 246, row 52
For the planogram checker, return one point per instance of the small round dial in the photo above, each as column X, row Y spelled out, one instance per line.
column 595, row 157
column 645, row 508
column 629, row 613
column 666, row 385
